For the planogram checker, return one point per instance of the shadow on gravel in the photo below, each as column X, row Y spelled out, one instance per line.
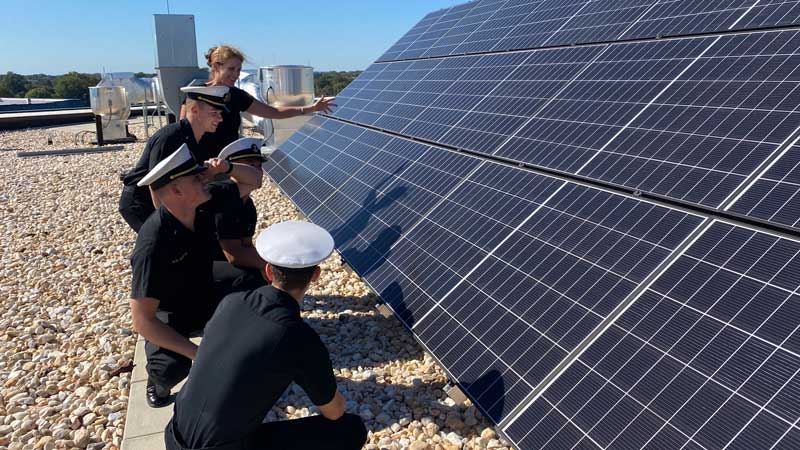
column 356, row 335
column 368, row 349
column 383, row 405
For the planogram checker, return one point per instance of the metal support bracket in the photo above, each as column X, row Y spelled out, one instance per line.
column 384, row 310
column 455, row 393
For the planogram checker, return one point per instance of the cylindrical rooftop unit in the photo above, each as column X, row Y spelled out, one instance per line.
column 138, row 89
column 110, row 102
column 111, row 108
column 287, row 85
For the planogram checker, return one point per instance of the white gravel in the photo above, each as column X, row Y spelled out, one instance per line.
column 65, row 326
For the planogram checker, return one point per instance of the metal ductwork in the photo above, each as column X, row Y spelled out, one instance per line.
column 176, row 54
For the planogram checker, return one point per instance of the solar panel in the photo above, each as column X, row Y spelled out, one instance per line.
column 515, row 312
column 572, row 253
column 707, row 357
column 689, row 119
column 495, row 26
column 593, row 229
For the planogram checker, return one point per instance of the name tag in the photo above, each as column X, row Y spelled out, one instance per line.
column 180, row 258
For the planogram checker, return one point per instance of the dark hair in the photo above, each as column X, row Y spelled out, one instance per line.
column 290, row 279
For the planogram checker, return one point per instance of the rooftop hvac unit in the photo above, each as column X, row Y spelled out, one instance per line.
column 111, row 110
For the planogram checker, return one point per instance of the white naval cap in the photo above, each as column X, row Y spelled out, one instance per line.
column 242, row 149
column 216, row 96
column 294, row 244
column 180, row 163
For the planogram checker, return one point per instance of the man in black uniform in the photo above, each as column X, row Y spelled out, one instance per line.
column 254, row 346
column 204, row 108
column 173, row 289
column 237, row 225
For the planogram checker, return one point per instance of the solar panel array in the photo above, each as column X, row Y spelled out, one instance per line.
column 588, row 212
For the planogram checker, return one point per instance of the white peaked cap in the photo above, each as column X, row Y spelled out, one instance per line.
column 180, row 163
column 242, row 148
column 216, row 96
column 294, row 244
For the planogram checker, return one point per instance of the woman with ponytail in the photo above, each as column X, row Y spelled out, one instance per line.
column 225, row 63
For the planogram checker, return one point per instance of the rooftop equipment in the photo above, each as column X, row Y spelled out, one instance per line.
column 284, row 86
column 176, row 53
column 140, row 92
column 111, row 110
column 287, row 85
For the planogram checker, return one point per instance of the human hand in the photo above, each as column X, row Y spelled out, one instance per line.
column 324, row 104
column 217, row 165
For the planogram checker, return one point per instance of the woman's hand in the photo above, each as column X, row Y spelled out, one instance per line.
column 323, row 105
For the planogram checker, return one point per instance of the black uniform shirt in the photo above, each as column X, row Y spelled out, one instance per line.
column 222, row 212
column 174, row 264
column 239, row 222
column 253, row 348
column 228, row 130
column 162, row 144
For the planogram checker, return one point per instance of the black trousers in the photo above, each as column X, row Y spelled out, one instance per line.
column 166, row 368
column 315, row 432
column 135, row 206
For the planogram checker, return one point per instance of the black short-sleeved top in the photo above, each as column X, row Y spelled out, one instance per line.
column 162, row 144
column 238, row 222
column 228, row 130
column 174, row 264
column 254, row 346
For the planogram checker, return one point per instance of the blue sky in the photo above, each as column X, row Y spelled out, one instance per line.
column 57, row 36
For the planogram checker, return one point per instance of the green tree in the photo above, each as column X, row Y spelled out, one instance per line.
column 144, row 75
column 331, row 83
column 75, row 85
column 13, row 85
column 39, row 92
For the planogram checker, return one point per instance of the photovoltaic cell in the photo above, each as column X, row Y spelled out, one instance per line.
column 775, row 196
column 714, row 125
column 707, row 357
column 771, row 13
column 433, row 232
column 453, row 238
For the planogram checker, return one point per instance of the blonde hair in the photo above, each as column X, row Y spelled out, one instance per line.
column 222, row 53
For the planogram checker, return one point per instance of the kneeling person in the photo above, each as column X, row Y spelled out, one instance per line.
column 237, row 224
column 173, row 289
column 254, row 346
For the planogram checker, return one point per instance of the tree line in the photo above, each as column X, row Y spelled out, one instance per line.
column 69, row 85
column 75, row 85
column 331, row 83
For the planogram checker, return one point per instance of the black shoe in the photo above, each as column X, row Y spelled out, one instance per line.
column 154, row 400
